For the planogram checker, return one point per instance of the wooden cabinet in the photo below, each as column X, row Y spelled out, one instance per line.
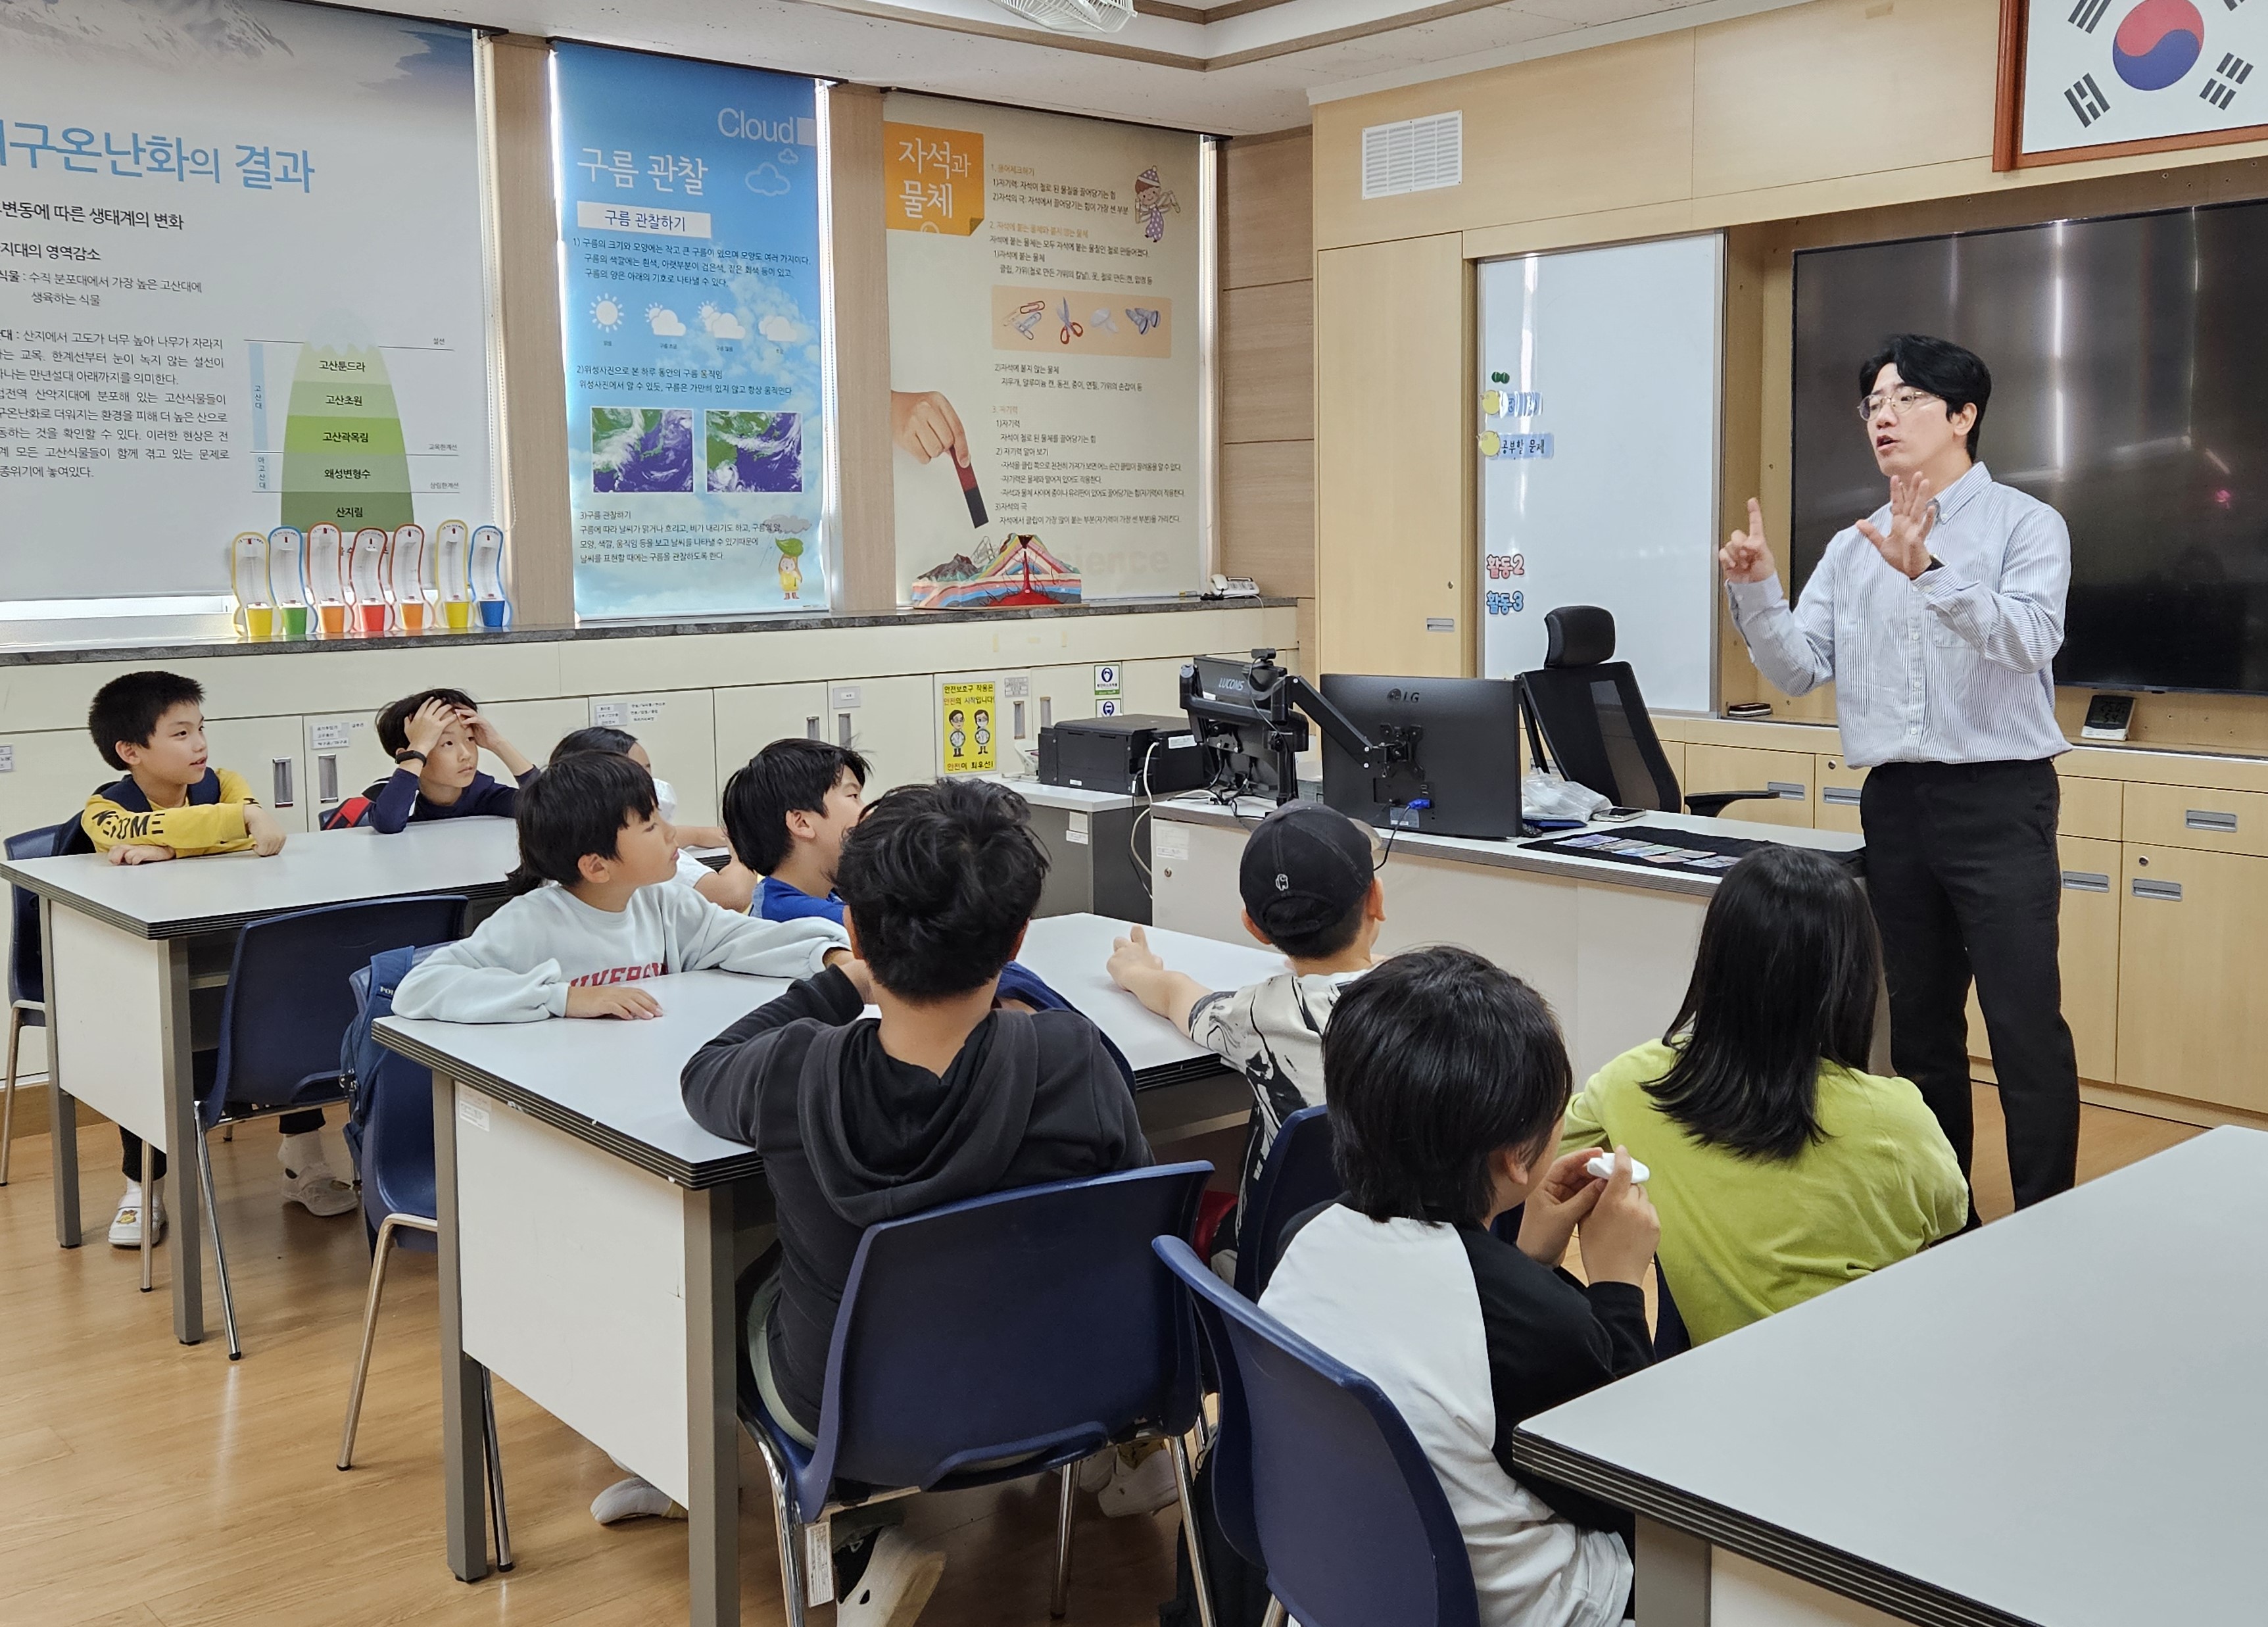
column 1839, row 785
column 2186, row 816
column 2091, row 807
column 2093, row 898
column 1744, row 768
column 2193, row 1003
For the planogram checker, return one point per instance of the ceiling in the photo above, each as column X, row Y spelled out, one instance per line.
column 1229, row 67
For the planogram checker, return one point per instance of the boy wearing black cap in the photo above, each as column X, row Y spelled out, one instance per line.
column 1310, row 890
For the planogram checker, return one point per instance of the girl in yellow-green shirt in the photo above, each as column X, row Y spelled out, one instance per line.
column 1778, row 1168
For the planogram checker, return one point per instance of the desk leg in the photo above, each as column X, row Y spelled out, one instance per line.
column 63, row 1111
column 1672, row 1585
column 463, row 1437
column 713, row 1516
column 184, row 1198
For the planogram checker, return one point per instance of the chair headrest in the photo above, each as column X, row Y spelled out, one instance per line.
column 1579, row 636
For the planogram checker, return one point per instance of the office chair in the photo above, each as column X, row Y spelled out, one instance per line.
column 1588, row 720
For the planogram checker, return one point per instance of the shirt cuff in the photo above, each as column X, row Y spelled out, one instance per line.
column 554, row 997
column 1941, row 587
column 1750, row 597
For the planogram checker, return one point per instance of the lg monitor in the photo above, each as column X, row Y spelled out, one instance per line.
column 1462, row 737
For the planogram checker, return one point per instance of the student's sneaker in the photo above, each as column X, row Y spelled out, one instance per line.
column 1140, row 1488
column 126, row 1224
column 307, row 1178
column 634, row 1499
column 896, row 1586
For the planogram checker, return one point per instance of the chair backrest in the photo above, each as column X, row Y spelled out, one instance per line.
column 1027, row 1323
column 1297, row 1175
column 390, row 1127
column 1316, row 1478
column 27, row 973
column 290, row 999
column 1586, row 715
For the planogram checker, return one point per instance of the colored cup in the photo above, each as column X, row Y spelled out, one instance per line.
column 334, row 621
column 295, row 621
column 459, row 612
column 413, row 618
column 259, row 622
column 373, row 620
column 493, row 612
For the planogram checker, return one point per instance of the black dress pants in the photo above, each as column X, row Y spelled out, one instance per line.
column 1964, row 879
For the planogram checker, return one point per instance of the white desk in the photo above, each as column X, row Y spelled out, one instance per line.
column 117, row 941
column 1074, row 951
column 587, row 1225
column 1610, row 945
column 2055, row 1420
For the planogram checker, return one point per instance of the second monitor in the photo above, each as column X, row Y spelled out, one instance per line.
column 1463, row 778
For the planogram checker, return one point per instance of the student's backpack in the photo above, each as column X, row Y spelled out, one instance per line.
column 364, row 1064
column 347, row 815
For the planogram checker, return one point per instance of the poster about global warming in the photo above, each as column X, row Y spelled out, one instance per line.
column 1045, row 381
column 689, row 211
column 240, row 287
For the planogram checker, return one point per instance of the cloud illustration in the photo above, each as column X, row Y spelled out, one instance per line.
column 721, row 324
column 664, row 321
column 767, row 181
column 780, row 329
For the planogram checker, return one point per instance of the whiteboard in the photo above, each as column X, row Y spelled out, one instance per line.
column 1601, row 487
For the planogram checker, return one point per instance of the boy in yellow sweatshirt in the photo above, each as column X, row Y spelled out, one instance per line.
column 173, row 804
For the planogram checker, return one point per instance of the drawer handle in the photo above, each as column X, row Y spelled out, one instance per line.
column 280, row 771
column 2168, row 891
column 2206, row 818
column 2096, row 881
column 327, row 777
column 1841, row 795
column 1786, row 791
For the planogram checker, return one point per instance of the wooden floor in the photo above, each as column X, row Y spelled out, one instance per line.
column 150, row 1484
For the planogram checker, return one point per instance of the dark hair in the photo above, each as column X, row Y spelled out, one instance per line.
column 1957, row 377
column 786, row 776
column 393, row 722
column 127, row 709
column 939, row 880
column 1324, row 941
column 599, row 737
column 577, row 805
column 1786, row 976
column 1433, row 1062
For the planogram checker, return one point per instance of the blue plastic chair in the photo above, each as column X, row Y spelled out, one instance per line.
column 400, row 1200
column 992, row 1340
column 1297, row 1175
column 27, row 974
column 288, row 1006
column 1316, row 1479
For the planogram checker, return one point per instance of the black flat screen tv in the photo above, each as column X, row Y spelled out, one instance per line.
column 2130, row 390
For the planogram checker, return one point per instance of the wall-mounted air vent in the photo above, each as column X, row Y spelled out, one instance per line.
column 1416, row 155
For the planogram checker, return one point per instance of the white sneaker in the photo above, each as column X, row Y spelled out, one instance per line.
column 634, row 1499
column 1142, row 1488
column 126, row 1224
column 899, row 1579
column 307, row 1178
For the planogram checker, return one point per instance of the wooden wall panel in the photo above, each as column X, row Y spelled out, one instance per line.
column 1268, row 362
column 867, row 556
column 1393, row 505
column 1267, row 513
column 1268, row 223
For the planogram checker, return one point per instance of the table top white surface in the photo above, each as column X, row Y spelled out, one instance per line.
column 1072, row 951
column 224, row 890
column 2056, row 1419
column 1068, row 797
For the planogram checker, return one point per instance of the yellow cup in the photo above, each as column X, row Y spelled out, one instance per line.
column 259, row 622
column 459, row 612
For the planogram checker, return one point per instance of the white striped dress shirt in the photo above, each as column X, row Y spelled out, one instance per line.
column 1951, row 666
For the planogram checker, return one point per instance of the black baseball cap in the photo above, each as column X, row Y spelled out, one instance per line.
column 1304, row 866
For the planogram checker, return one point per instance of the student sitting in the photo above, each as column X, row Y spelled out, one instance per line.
column 1447, row 1079
column 173, row 804
column 943, row 1097
column 592, row 920
column 734, row 885
column 436, row 737
column 1309, row 890
column 1780, row 1167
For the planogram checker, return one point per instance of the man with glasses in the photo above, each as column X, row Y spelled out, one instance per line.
column 1936, row 618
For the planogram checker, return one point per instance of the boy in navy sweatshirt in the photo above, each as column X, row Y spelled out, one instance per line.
column 436, row 737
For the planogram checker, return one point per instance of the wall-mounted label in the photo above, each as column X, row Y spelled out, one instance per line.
column 472, row 1113
column 845, row 696
column 330, row 736
column 1169, row 840
column 1105, row 681
column 7, row 759
column 607, row 714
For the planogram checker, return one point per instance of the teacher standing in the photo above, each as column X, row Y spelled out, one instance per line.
column 1937, row 617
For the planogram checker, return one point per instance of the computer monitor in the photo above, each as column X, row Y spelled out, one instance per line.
column 1226, row 718
column 1462, row 735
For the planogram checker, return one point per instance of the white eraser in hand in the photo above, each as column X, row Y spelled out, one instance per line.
column 1603, row 1166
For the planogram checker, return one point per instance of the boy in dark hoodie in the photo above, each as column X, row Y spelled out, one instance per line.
column 941, row 1098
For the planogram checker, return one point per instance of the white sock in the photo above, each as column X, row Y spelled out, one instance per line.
column 302, row 1153
column 632, row 1499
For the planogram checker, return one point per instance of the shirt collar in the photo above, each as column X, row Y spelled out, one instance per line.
column 1956, row 497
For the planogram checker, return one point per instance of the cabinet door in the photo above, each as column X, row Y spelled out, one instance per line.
column 267, row 752
column 344, row 759
column 1746, row 767
column 678, row 728
column 895, row 726
column 750, row 719
column 534, row 726
column 2088, row 933
column 1151, row 685
column 1839, row 785
column 2192, row 1005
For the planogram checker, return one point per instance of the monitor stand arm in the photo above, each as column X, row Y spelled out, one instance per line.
column 1283, row 697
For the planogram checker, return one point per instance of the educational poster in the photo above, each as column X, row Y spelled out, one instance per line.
column 967, row 734
column 1044, row 287
column 688, row 209
column 2176, row 72
column 1595, row 417
column 240, row 286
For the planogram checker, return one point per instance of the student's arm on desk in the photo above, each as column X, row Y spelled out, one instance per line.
column 722, row 1083
column 1136, row 968
column 708, row 936
column 472, row 981
column 190, row 832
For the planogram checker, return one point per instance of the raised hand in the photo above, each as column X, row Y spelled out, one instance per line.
column 924, row 422
column 1746, row 556
column 1913, row 516
column 427, row 725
